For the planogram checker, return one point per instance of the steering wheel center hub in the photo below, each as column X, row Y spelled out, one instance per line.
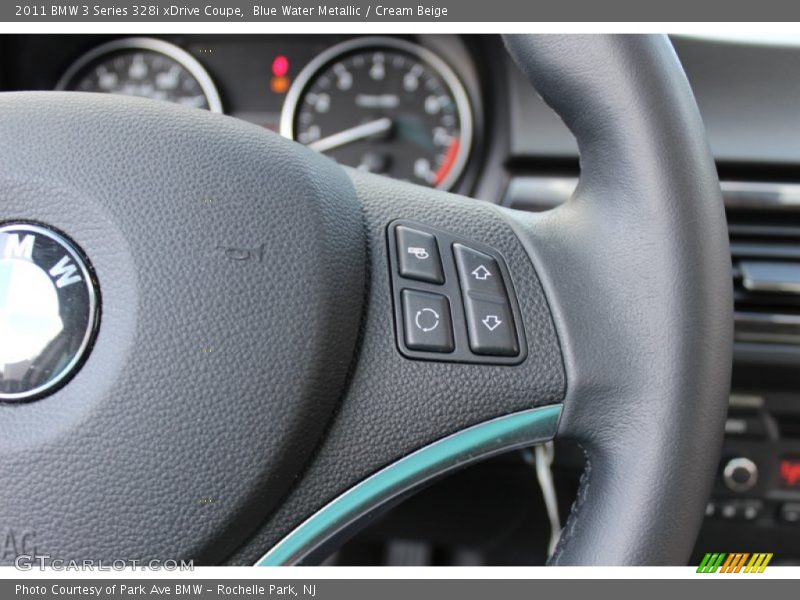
column 48, row 310
column 232, row 265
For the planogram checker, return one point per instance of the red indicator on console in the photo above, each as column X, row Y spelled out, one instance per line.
column 280, row 66
column 279, row 82
column 790, row 472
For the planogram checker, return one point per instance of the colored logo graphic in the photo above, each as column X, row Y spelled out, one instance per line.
column 738, row 562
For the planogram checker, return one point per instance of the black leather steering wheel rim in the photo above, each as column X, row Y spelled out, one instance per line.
column 623, row 296
column 650, row 197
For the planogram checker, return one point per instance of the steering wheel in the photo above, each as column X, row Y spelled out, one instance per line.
column 280, row 348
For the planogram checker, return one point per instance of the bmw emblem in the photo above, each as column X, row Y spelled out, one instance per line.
column 49, row 310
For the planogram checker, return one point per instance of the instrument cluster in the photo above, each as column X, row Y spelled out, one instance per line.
column 386, row 105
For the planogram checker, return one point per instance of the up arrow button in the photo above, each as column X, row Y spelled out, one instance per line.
column 478, row 271
column 481, row 273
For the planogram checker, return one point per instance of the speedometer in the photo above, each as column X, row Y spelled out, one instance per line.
column 144, row 67
column 385, row 106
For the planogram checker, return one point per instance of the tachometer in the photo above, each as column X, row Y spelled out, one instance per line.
column 385, row 106
column 144, row 67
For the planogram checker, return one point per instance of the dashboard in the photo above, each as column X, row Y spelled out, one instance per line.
column 453, row 112
column 388, row 105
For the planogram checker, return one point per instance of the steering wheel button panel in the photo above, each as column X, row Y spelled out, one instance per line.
column 469, row 280
column 427, row 321
column 418, row 255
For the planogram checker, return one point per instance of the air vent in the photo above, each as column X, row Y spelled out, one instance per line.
column 788, row 425
column 764, row 227
column 764, row 224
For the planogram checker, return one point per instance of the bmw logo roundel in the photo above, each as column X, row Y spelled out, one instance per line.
column 49, row 310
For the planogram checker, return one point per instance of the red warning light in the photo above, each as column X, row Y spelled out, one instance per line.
column 790, row 472
column 280, row 66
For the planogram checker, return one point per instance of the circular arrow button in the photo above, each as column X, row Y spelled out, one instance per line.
column 427, row 319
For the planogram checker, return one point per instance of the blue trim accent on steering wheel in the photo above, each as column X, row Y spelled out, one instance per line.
column 480, row 441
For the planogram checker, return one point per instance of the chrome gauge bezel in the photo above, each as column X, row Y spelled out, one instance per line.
column 439, row 66
column 171, row 51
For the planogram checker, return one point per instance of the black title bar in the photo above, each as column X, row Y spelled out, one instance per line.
column 399, row 11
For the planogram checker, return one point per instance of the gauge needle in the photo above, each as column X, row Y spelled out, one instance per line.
column 348, row 136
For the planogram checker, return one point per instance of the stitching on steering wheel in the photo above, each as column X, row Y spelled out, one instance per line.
column 577, row 505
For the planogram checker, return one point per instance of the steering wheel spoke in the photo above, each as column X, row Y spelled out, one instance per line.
column 420, row 404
